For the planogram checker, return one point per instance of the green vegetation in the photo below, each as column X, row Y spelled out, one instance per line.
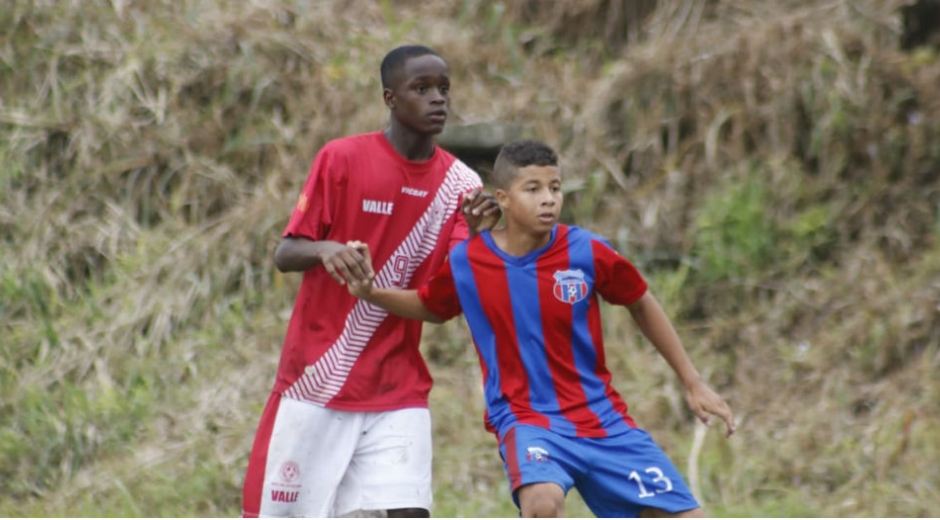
column 773, row 167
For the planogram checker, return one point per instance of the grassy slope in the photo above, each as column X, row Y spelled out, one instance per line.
column 774, row 173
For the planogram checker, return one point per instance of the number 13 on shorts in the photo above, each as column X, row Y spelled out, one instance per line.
column 662, row 482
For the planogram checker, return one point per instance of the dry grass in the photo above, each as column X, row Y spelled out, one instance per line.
column 773, row 168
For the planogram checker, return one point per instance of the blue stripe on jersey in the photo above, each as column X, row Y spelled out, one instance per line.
column 581, row 256
column 470, row 302
column 527, row 316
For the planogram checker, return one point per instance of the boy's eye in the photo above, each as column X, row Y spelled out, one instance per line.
column 422, row 89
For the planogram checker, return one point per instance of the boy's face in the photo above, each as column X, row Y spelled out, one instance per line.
column 533, row 200
column 419, row 97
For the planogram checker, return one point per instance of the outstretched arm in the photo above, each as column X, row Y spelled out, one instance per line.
column 403, row 303
column 656, row 326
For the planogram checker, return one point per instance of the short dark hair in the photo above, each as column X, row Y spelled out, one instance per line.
column 395, row 60
column 519, row 154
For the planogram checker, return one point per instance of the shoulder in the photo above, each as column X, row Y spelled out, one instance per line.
column 472, row 243
column 459, row 170
column 468, row 249
column 351, row 145
column 597, row 244
column 576, row 233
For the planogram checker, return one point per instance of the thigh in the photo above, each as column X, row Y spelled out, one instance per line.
column 391, row 468
column 304, row 450
column 533, row 455
column 630, row 473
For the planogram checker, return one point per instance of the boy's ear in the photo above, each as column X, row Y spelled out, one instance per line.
column 502, row 198
column 389, row 97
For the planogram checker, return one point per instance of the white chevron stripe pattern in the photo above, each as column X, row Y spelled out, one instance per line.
column 324, row 379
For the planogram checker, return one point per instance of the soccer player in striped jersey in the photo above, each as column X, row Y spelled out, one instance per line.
column 529, row 292
column 346, row 426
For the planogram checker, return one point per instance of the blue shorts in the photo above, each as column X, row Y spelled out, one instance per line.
column 617, row 476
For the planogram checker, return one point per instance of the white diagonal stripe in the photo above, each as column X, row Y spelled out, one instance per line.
column 327, row 376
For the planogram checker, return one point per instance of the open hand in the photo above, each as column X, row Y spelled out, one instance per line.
column 480, row 210
column 704, row 403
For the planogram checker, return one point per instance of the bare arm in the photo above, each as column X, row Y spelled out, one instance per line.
column 341, row 261
column 656, row 326
column 403, row 303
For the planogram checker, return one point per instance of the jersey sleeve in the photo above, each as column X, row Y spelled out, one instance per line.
column 439, row 295
column 313, row 214
column 615, row 278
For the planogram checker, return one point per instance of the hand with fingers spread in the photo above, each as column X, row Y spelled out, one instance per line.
column 480, row 210
column 705, row 402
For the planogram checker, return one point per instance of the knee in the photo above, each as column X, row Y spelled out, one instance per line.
column 542, row 501
column 544, row 508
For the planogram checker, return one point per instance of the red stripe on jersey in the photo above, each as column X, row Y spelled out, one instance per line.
column 557, row 329
column 490, row 427
column 254, row 476
column 512, row 460
column 597, row 336
column 513, row 379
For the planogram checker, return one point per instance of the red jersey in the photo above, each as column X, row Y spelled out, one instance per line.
column 342, row 352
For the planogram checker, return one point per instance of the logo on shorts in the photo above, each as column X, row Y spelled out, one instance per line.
column 287, row 489
column 290, row 471
column 537, row 454
column 284, row 496
column 570, row 286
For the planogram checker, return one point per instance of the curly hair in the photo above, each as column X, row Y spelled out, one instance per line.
column 519, row 154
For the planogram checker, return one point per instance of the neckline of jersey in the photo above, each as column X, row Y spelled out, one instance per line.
column 387, row 145
column 518, row 260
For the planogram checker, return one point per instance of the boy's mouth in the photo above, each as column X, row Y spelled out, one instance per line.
column 438, row 116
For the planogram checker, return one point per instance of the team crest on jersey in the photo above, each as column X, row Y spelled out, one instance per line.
column 570, row 286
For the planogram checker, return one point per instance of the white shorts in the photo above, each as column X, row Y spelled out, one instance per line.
column 321, row 462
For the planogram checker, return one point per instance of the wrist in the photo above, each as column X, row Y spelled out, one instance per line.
column 691, row 380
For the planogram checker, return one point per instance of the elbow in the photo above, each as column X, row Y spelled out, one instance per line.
column 282, row 257
column 433, row 318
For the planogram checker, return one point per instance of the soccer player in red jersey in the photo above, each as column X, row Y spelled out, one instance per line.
column 347, row 426
column 529, row 292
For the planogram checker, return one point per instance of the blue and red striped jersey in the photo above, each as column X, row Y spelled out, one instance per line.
column 536, row 325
